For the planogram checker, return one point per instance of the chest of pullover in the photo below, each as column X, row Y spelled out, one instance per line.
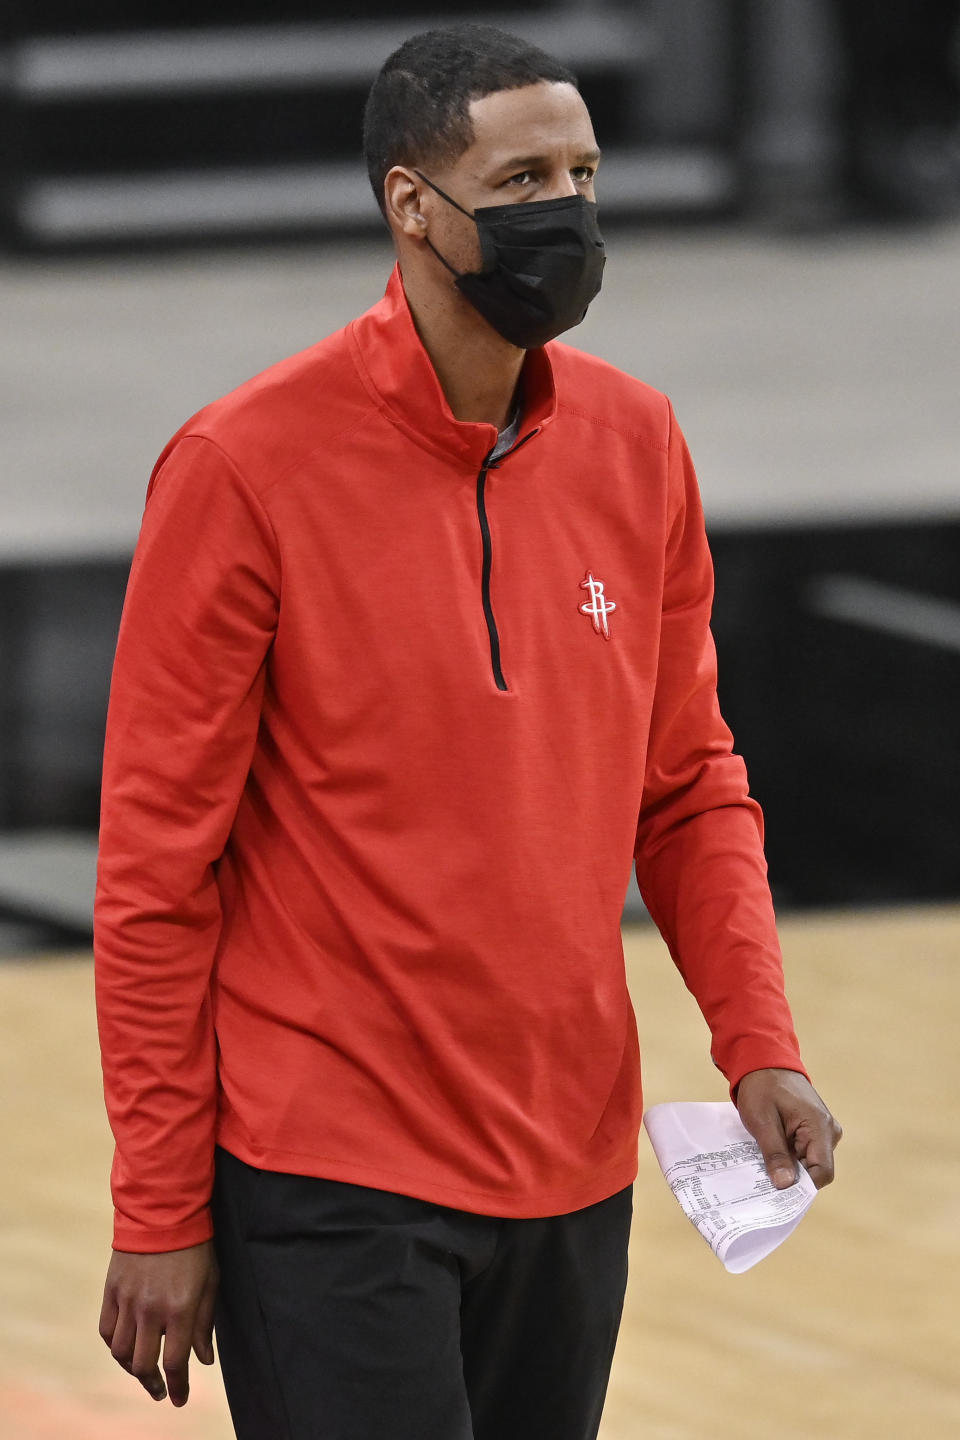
column 465, row 750
column 386, row 718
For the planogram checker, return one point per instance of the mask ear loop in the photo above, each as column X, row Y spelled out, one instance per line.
column 455, row 273
column 443, row 195
column 450, row 201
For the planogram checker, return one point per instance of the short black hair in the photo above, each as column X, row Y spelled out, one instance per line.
column 417, row 112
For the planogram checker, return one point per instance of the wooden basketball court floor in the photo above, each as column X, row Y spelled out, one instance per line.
column 850, row 1331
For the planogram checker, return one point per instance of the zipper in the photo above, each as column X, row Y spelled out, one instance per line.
column 488, row 614
column 487, row 566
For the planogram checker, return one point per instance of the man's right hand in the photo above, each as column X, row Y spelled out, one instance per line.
column 169, row 1296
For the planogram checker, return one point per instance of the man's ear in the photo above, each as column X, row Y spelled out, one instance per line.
column 402, row 195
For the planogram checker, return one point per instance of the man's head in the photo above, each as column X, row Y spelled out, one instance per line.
column 418, row 110
column 466, row 129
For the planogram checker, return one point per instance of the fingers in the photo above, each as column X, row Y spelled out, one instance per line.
column 789, row 1120
column 109, row 1312
column 167, row 1298
column 767, row 1129
column 135, row 1345
column 176, row 1358
column 818, row 1156
column 143, row 1364
column 203, row 1324
column 123, row 1340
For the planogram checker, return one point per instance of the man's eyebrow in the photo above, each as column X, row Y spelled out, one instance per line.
column 534, row 162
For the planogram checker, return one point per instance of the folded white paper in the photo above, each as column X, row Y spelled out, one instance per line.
column 714, row 1167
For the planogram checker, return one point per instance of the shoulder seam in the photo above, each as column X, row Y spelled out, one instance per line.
column 652, row 444
column 308, row 454
column 271, row 484
column 251, row 492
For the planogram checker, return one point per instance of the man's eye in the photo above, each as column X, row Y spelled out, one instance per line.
column 524, row 177
column 583, row 173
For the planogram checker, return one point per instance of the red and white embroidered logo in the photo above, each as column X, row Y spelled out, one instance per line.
column 598, row 607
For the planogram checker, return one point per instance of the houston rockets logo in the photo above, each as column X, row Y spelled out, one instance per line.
column 598, row 607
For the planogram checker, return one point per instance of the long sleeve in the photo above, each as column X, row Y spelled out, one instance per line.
column 699, row 851
column 185, row 702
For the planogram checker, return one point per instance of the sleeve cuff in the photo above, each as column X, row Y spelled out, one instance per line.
column 747, row 1059
column 139, row 1239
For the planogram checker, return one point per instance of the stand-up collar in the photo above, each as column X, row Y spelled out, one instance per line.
column 400, row 378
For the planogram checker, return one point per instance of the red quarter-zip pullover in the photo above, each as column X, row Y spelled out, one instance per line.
column 387, row 725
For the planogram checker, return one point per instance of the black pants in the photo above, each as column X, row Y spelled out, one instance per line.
column 347, row 1313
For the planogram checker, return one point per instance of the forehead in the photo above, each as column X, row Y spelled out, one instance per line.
column 544, row 119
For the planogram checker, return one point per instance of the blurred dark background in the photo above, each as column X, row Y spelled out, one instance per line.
column 149, row 139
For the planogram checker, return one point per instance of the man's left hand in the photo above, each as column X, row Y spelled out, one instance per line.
column 789, row 1122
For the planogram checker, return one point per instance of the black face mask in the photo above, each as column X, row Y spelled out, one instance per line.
column 542, row 265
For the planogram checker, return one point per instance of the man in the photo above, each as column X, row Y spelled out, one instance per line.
column 414, row 659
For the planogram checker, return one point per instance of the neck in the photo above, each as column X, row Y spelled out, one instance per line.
column 478, row 370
